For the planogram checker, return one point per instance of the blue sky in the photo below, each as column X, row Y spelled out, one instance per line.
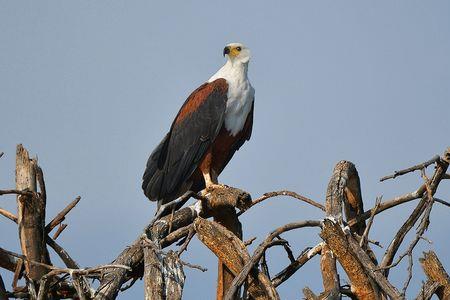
column 92, row 86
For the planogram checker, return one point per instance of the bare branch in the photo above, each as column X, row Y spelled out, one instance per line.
column 60, row 229
column 365, row 235
column 176, row 235
column 192, row 266
column 65, row 257
column 9, row 215
column 303, row 258
column 284, row 193
column 17, row 192
column 443, row 202
column 239, row 280
column 62, row 215
column 56, row 270
column 429, row 190
column 249, row 241
column 189, row 237
column 413, row 168
column 389, row 204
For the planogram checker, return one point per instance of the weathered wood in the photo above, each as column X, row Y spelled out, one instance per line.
column 153, row 273
column 333, row 209
column 111, row 281
column 169, row 223
column 30, row 215
column 336, row 238
column 330, row 277
column 133, row 256
column 233, row 253
column 361, row 283
column 427, row 291
column 163, row 275
column 309, row 295
column 222, row 206
column 435, row 272
column 344, row 191
column 173, row 276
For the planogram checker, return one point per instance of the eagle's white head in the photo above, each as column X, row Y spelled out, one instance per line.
column 237, row 52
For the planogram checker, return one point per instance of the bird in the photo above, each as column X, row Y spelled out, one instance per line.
column 212, row 124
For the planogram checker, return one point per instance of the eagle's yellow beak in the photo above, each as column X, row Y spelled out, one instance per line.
column 231, row 51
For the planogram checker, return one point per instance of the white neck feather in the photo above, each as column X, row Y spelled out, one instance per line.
column 231, row 71
column 240, row 94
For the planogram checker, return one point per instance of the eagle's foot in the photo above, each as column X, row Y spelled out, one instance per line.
column 212, row 187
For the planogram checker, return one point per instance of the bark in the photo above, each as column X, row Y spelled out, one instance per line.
column 436, row 273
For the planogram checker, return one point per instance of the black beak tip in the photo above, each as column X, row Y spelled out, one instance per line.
column 226, row 50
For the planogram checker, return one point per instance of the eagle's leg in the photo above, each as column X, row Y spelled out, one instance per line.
column 210, row 176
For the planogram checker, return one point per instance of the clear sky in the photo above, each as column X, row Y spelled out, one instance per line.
column 92, row 86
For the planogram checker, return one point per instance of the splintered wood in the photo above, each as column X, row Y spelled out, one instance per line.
column 232, row 252
column 30, row 215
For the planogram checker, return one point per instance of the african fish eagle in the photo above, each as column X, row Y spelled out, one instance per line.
column 213, row 123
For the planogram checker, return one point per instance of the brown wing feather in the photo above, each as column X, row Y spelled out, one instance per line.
column 199, row 96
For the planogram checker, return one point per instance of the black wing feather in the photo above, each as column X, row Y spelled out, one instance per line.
column 178, row 155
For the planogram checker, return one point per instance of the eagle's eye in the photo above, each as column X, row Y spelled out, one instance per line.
column 238, row 48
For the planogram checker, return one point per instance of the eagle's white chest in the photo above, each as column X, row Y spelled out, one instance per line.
column 240, row 96
column 239, row 104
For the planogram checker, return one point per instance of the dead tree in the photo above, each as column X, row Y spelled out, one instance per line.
column 241, row 275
